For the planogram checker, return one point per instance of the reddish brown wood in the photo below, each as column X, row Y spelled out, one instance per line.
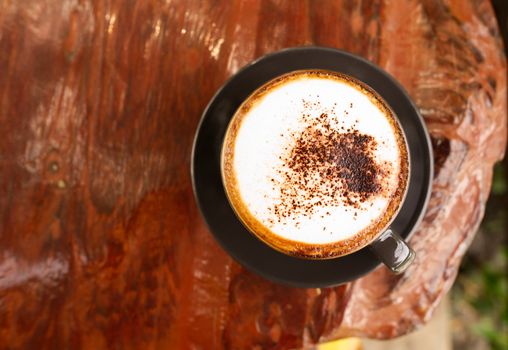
column 101, row 243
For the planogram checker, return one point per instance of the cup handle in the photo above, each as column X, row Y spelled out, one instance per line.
column 392, row 251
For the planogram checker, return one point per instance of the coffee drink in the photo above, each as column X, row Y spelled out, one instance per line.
column 315, row 164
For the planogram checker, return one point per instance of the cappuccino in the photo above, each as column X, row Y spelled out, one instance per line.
column 315, row 164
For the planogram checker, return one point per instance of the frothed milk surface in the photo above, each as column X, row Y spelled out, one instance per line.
column 316, row 160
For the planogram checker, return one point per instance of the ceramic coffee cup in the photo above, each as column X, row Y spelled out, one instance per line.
column 316, row 165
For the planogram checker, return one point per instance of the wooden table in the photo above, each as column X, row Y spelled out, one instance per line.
column 101, row 242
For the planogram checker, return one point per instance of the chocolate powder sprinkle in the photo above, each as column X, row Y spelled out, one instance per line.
column 326, row 166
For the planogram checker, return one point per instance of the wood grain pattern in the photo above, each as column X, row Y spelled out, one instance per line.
column 101, row 243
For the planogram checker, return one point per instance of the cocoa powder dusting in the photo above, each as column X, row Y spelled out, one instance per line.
column 327, row 166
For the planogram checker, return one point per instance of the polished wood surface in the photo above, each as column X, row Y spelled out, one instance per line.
column 101, row 242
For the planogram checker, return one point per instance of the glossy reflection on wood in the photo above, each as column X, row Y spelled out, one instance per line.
column 101, row 243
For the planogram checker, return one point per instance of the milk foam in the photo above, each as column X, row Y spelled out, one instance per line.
column 267, row 132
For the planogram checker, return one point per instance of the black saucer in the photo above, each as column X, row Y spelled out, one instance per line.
column 209, row 191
